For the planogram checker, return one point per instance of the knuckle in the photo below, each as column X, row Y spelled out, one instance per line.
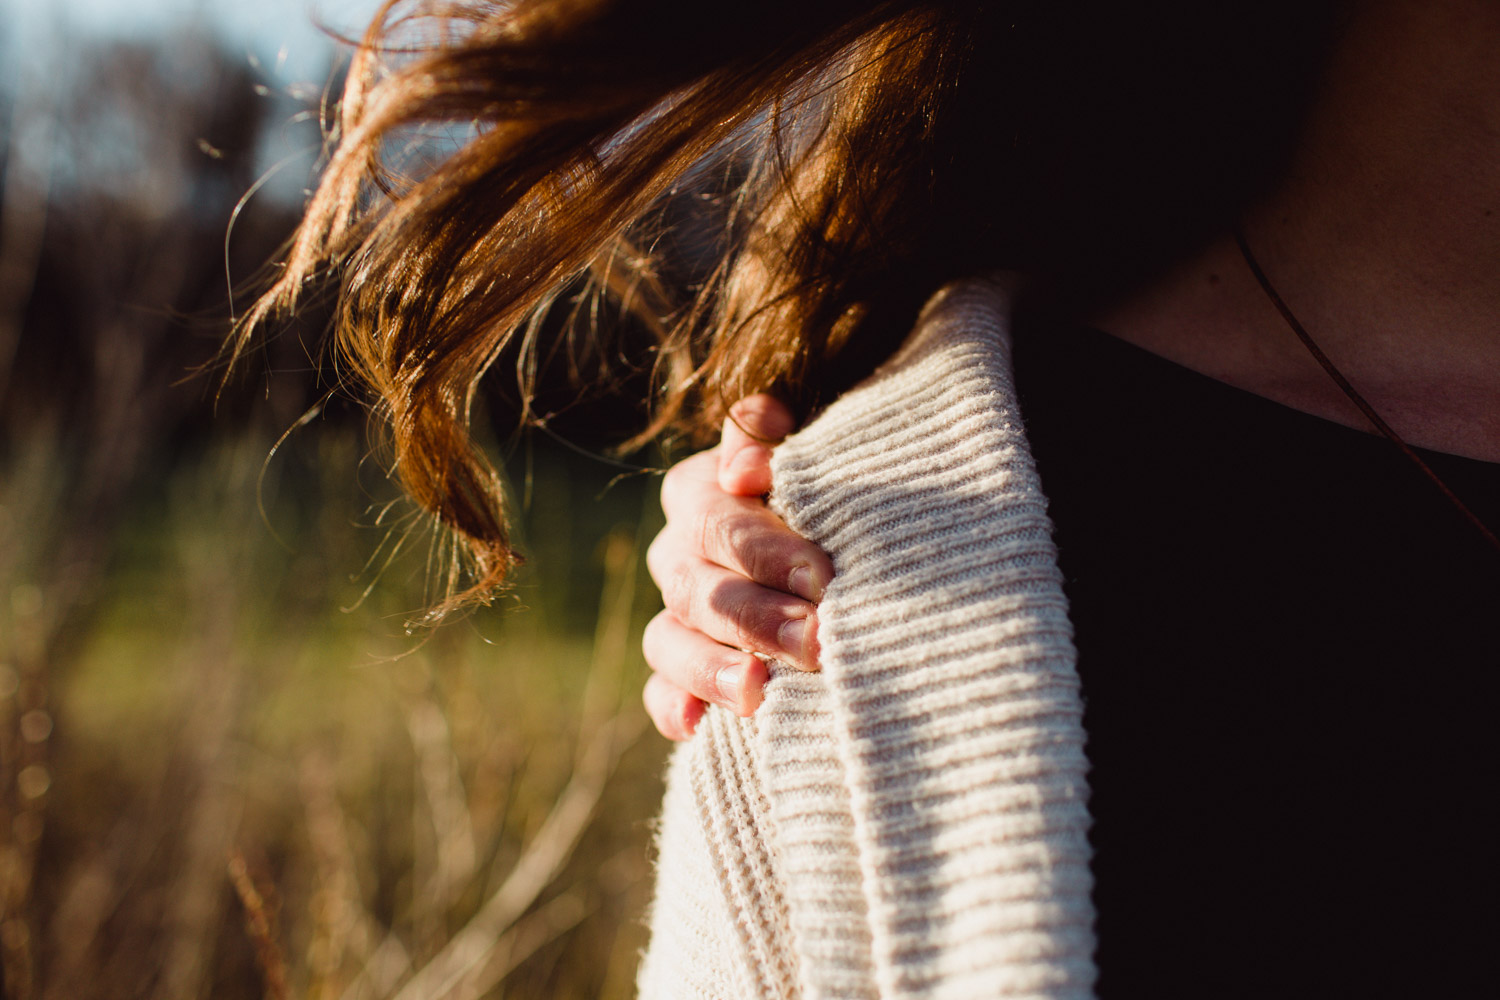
column 726, row 603
column 657, row 557
column 672, row 482
column 681, row 480
column 705, row 679
column 707, row 529
column 679, row 591
column 743, row 618
column 765, row 551
column 654, row 640
column 730, row 535
column 770, row 559
column 751, row 622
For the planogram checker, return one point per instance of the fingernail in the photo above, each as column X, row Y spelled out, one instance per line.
column 731, row 681
column 793, row 636
column 805, row 584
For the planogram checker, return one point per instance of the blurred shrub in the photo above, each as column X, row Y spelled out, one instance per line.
column 214, row 780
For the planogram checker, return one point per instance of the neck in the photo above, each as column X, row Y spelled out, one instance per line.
column 1383, row 239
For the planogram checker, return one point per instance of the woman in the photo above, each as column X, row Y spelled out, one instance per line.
column 1268, row 611
column 1269, row 620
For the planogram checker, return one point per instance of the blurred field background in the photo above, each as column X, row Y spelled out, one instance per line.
column 227, row 768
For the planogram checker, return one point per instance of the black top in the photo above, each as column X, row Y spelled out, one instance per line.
column 1289, row 641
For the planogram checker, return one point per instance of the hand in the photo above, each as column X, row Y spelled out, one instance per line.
column 733, row 577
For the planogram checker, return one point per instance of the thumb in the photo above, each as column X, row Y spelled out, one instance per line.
column 754, row 425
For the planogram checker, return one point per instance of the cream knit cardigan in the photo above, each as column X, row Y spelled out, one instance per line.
column 911, row 821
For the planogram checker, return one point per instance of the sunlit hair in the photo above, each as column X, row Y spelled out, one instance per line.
column 856, row 154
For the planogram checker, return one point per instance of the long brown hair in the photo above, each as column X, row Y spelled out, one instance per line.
column 857, row 154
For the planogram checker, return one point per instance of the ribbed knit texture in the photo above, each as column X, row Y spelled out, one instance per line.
column 911, row 821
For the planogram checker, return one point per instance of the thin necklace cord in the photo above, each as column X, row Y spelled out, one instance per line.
column 1349, row 390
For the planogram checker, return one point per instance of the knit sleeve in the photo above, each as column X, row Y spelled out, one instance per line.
column 910, row 822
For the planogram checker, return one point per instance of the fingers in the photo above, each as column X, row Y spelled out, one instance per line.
column 743, row 578
column 760, row 417
column 690, row 484
column 754, row 424
column 673, row 711
column 693, row 663
column 733, row 578
column 736, row 533
column 734, row 611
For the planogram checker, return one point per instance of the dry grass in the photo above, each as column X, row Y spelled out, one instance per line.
column 216, row 783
